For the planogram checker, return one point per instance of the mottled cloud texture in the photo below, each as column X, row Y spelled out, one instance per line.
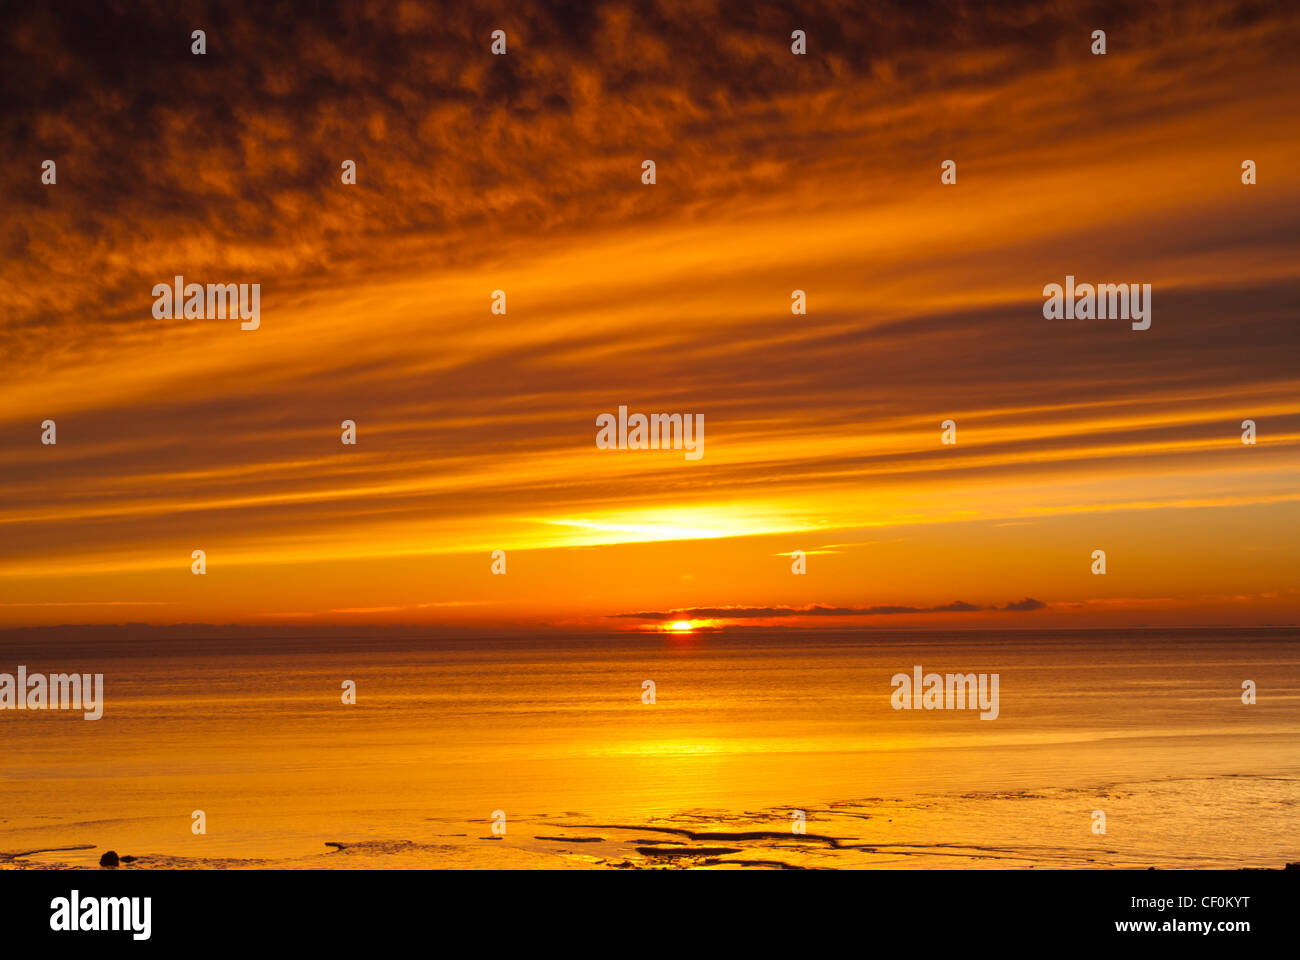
column 522, row 173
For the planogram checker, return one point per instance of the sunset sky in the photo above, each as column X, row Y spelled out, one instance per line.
column 775, row 172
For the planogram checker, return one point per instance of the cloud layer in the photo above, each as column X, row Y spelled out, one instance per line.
column 522, row 173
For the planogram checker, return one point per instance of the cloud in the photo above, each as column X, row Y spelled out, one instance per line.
column 1029, row 603
column 816, row 610
column 522, row 173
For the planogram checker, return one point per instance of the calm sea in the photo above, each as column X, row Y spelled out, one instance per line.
column 750, row 734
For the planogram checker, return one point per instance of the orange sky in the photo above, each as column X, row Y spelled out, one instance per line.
column 775, row 172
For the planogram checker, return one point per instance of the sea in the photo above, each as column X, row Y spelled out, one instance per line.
column 736, row 749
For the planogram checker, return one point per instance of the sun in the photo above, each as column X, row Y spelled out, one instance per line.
column 682, row 626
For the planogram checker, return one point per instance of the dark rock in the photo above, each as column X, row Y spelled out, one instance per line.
column 687, row 852
column 127, row 859
column 1292, row 866
column 109, row 859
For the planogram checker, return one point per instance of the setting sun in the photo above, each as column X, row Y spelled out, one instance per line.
column 681, row 626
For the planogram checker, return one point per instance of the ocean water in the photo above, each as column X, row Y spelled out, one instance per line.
column 749, row 732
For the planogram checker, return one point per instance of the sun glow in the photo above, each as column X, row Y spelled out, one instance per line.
column 682, row 626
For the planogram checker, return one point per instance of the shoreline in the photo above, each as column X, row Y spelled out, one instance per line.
column 937, row 831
